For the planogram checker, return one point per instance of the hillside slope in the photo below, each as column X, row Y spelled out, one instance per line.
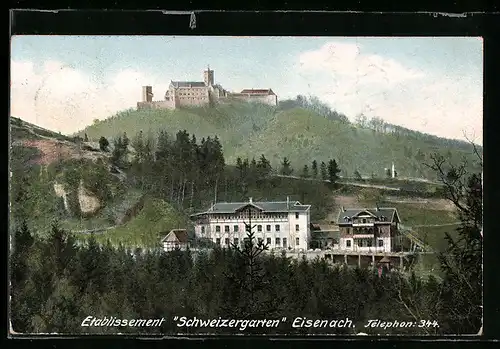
column 248, row 130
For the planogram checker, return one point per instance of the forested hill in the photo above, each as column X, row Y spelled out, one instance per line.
column 301, row 130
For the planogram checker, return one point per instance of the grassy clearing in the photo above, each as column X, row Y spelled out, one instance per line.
column 419, row 214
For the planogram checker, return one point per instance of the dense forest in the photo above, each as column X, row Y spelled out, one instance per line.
column 56, row 282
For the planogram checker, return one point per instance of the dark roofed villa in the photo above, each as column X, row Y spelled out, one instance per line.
column 370, row 230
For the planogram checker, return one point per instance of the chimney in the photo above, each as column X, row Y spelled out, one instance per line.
column 250, row 199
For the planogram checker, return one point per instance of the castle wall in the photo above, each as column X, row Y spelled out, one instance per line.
column 194, row 96
column 155, row 105
column 266, row 99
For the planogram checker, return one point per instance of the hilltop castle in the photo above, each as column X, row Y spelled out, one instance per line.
column 200, row 93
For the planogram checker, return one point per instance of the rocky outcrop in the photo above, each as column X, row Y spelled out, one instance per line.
column 61, row 193
column 89, row 203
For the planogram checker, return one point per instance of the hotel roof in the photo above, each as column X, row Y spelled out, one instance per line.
column 263, row 206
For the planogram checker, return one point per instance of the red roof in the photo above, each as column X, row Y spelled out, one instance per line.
column 180, row 234
column 267, row 91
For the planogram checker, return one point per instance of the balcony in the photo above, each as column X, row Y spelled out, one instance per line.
column 363, row 236
column 371, row 224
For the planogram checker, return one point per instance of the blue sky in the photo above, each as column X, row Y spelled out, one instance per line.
column 433, row 85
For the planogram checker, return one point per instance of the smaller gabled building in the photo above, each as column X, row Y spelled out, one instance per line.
column 370, row 230
column 176, row 239
column 266, row 96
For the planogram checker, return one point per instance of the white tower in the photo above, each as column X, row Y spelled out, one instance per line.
column 393, row 171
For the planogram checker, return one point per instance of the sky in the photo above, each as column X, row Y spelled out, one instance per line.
column 429, row 84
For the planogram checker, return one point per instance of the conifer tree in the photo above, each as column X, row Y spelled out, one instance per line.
column 305, row 172
column 324, row 171
column 333, row 171
column 286, row 168
column 314, row 168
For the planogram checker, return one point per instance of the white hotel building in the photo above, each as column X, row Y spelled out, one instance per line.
column 280, row 224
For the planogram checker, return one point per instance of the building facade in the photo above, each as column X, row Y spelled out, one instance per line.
column 281, row 225
column 202, row 93
column 369, row 230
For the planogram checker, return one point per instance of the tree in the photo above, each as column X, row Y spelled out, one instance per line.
column 264, row 167
column 248, row 282
column 103, row 143
column 323, row 171
column 305, row 172
column 388, row 173
column 361, row 120
column 333, row 171
column 286, row 168
column 314, row 168
column 462, row 261
column 86, row 138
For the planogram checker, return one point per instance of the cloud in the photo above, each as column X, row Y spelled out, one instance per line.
column 346, row 61
column 354, row 82
column 65, row 99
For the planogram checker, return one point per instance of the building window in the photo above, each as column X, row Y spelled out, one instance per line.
column 203, row 229
column 226, row 241
column 380, row 243
column 369, row 243
column 260, row 240
column 259, row 227
column 297, row 241
column 268, row 241
column 348, row 243
column 277, row 227
column 297, row 228
column 235, row 228
column 278, row 241
column 236, row 241
column 217, row 241
column 217, row 228
column 284, row 242
column 226, row 228
column 364, row 220
column 296, row 215
column 268, row 227
column 246, row 241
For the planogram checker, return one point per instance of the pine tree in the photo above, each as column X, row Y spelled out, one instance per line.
column 314, row 168
column 305, row 172
column 286, row 168
column 264, row 167
column 103, row 143
column 86, row 138
column 333, row 171
column 248, row 281
column 323, row 171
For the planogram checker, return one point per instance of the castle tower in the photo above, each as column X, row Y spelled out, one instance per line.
column 208, row 76
column 147, row 93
